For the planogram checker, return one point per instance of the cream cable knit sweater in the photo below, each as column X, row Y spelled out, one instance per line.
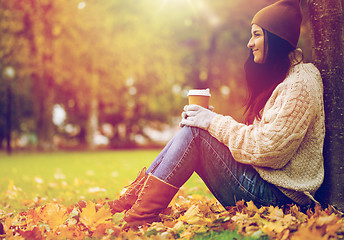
column 286, row 145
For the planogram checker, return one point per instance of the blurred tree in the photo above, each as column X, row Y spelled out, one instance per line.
column 14, row 56
column 123, row 63
column 42, row 18
column 28, row 42
column 327, row 20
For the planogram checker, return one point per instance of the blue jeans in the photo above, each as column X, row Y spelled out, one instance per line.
column 195, row 150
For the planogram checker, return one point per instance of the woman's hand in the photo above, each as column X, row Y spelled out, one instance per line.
column 197, row 116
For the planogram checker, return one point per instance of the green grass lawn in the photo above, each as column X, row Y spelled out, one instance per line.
column 70, row 176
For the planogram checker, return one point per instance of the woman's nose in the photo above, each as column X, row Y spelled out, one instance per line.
column 250, row 43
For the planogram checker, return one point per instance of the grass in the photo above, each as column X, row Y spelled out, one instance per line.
column 32, row 179
column 70, row 176
column 225, row 235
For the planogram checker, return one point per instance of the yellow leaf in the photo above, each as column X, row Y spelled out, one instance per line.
column 307, row 233
column 276, row 214
column 251, row 207
column 54, row 214
column 187, row 235
column 296, row 217
column 92, row 218
column 190, row 213
column 178, row 226
column 271, row 227
column 240, row 218
column 194, row 216
column 324, row 220
column 250, row 229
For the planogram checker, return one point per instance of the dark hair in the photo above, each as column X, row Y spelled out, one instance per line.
column 262, row 79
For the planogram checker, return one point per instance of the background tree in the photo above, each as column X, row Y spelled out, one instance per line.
column 327, row 20
column 43, row 16
column 14, row 55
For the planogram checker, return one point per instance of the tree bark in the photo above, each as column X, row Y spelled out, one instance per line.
column 327, row 21
column 92, row 122
column 45, row 99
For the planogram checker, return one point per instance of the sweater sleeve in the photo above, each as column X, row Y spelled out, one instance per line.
column 273, row 140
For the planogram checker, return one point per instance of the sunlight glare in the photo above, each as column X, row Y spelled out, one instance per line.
column 81, row 5
column 59, row 115
column 199, row 8
column 165, row 3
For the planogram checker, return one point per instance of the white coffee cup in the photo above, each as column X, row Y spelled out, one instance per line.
column 199, row 97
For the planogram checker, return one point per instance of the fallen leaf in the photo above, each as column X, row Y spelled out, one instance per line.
column 54, row 214
column 276, row 214
column 194, row 216
column 251, row 207
column 92, row 218
column 34, row 233
column 186, row 216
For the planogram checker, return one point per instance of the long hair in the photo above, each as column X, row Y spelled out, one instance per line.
column 263, row 78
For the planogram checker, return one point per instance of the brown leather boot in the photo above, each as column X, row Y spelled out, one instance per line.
column 153, row 198
column 127, row 200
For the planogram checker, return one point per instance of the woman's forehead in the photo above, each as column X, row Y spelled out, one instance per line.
column 256, row 28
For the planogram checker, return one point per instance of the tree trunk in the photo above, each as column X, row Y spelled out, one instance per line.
column 92, row 122
column 44, row 123
column 45, row 99
column 326, row 17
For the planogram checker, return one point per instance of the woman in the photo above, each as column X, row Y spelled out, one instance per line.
column 275, row 158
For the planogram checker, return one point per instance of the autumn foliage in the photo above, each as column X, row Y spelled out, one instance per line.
column 186, row 217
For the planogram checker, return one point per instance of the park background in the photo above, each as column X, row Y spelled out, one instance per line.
column 105, row 75
column 115, row 74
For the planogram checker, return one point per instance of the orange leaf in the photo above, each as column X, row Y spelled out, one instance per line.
column 307, row 233
column 273, row 227
column 34, row 233
column 276, row 214
column 54, row 214
column 251, row 207
column 194, row 216
column 92, row 218
column 332, row 229
column 100, row 230
column 325, row 220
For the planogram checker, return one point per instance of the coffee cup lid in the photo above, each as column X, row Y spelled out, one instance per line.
column 199, row 92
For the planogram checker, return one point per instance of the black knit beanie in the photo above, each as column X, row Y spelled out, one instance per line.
column 282, row 18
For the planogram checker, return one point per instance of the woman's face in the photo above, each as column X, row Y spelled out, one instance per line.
column 256, row 43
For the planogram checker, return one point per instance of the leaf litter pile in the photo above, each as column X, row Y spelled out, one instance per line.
column 187, row 217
